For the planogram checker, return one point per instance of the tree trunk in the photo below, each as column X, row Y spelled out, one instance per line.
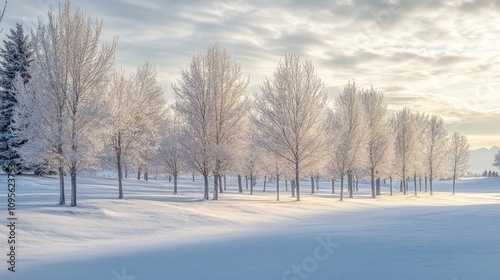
column 292, row 186
column 169, row 178
column 62, row 195
column 425, row 181
column 454, row 179
column 240, row 187
column 312, row 185
column 251, row 184
column 317, row 183
column 120, row 174
column 205, row 178
column 372, row 177
column 193, row 176
column 175, row 182
column 220, row 184
column 277, row 187
column 225, row 182
column 420, row 184
column 265, row 179
column 286, row 185
column 357, row 184
column 415, row 183
column 297, row 179
column 146, row 174
column 216, row 187
column 390, row 183
column 139, row 174
column 73, row 184
column 246, row 182
column 401, row 185
column 341, row 187
column 377, row 183
column 333, row 186
column 349, row 182
column 430, row 185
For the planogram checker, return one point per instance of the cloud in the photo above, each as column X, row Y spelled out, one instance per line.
column 436, row 56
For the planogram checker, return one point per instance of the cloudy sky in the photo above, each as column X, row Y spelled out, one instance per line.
column 440, row 57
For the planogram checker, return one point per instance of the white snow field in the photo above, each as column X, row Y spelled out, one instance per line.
column 153, row 234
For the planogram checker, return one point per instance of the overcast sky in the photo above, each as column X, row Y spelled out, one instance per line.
column 440, row 57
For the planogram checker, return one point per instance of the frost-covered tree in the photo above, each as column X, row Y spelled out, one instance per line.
column 17, row 54
column 290, row 113
column 496, row 160
column 405, row 126
column 379, row 141
column 435, row 148
column 135, row 110
column 171, row 152
column 73, row 70
column 211, row 98
column 458, row 156
column 418, row 163
column 348, row 131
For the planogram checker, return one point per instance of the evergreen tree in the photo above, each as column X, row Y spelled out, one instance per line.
column 16, row 56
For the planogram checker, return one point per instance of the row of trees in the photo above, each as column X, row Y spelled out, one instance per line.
column 74, row 110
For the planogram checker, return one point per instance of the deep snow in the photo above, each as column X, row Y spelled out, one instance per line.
column 153, row 234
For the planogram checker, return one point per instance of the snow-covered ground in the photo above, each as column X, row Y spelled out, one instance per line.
column 153, row 234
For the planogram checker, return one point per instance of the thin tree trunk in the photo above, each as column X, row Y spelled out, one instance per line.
column 265, row 179
column 420, row 184
column 225, row 182
column 377, row 182
column 193, row 176
column 454, row 179
column 277, row 187
column 333, row 186
column 169, row 178
column 430, row 185
column 292, row 185
column 246, row 182
column 372, row 177
column 390, row 183
column 312, row 185
column 297, row 179
column 216, row 187
column 205, row 178
column 425, row 180
column 317, row 183
column 401, row 185
column 286, row 184
column 415, row 183
column 220, row 184
column 175, row 182
column 62, row 195
column 73, row 185
column 349, row 182
column 120, row 174
column 357, row 184
column 240, row 187
column 139, row 174
column 341, row 187
column 251, row 184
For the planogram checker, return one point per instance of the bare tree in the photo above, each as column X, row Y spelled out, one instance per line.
column 379, row 143
column 496, row 160
column 136, row 108
column 459, row 156
column 290, row 112
column 348, row 128
column 405, row 127
column 211, row 98
column 171, row 151
column 72, row 69
column 435, row 148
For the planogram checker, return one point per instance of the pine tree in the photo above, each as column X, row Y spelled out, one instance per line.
column 16, row 55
